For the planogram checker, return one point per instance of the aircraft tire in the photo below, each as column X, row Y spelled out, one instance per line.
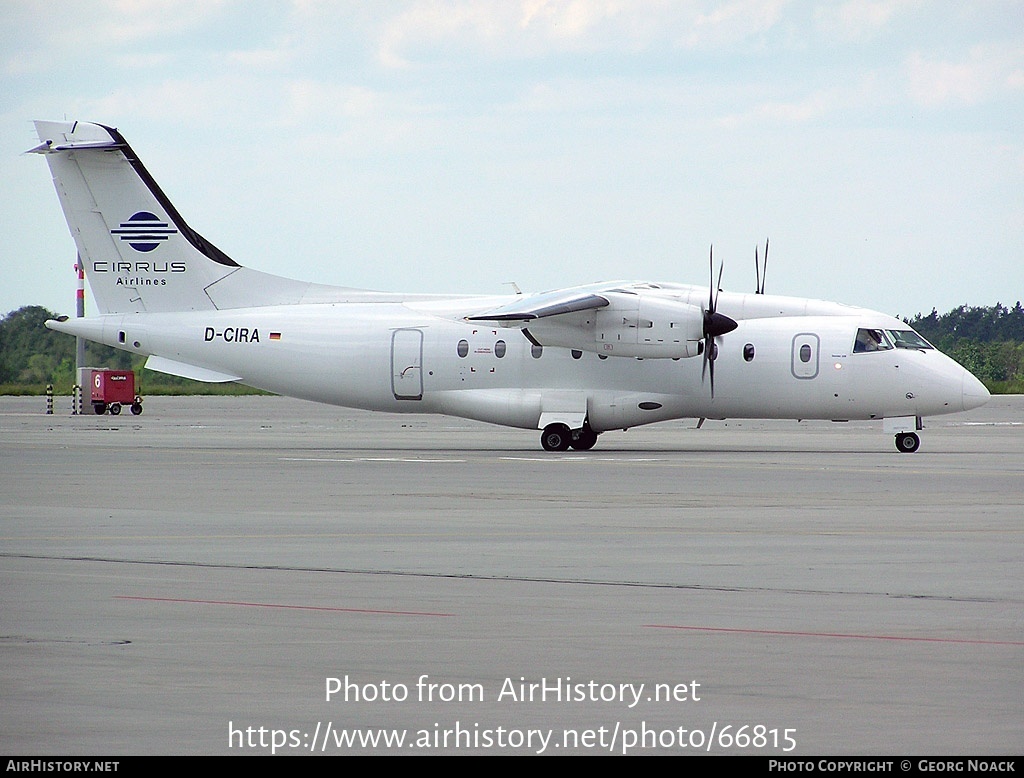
column 584, row 440
column 556, row 437
column 907, row 442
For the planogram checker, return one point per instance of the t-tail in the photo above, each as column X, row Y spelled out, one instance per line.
column 138, row 253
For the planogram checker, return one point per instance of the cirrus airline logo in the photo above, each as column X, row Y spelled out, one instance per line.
column 143, row 231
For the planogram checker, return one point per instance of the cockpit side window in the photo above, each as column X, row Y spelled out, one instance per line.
column 908, row 339
column 870, row 340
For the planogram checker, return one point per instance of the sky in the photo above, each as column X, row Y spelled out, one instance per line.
column 427, row 146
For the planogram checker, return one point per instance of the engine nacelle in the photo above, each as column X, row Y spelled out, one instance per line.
column 632, row 325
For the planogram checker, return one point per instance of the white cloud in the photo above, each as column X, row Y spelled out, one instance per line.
column 987, row 72
column 35, row 36
column 812, row 107
column 533, row 28
column 327, row 103
column 859, row 19
column 179, row 101
column 133, row 20
column 733, row 22
column 261, row 59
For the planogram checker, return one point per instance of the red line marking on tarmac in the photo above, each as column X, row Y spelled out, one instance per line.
column 839, row 635
column 286, row 607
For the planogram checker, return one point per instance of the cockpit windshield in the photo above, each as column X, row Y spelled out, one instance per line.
column 870, row 340
column 908, row 339
column 885, row 340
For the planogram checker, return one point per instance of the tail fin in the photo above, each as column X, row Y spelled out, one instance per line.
column 139, row 254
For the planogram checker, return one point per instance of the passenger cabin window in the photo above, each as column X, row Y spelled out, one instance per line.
column 870, row 340
column 463, row 348
column 748, row 352
column 499, row 349
column 536, row 350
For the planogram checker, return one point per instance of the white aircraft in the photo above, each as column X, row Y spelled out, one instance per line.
column 573, row 363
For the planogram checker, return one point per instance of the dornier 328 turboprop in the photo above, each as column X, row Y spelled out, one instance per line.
column 573, row 363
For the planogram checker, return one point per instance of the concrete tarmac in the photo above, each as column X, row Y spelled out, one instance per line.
column 196, row 579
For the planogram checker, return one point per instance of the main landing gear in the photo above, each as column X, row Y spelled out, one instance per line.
column 907, row 442
column 558, row 437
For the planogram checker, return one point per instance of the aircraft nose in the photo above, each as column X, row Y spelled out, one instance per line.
column 974, row 392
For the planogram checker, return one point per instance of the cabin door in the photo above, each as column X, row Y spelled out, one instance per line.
column 407, row 364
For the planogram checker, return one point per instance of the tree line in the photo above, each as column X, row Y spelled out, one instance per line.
column 988, row 341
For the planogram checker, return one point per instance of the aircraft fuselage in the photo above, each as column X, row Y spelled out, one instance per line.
column 419, row 357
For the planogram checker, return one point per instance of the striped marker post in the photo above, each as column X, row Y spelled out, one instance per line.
column 80, row 312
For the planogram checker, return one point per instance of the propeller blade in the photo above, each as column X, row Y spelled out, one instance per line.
column 709, row 344
column 711, row 278
column 712, row 372
column 765, row 273
column 704, row 361
column 757, row 271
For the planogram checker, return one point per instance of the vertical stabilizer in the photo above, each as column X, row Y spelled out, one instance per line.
column 138, row 253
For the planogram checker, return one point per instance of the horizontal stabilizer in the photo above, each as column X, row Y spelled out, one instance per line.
column 169, row 366
column 69, row 136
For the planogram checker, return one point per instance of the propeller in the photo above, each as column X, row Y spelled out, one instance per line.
column 757, row 268
column 715, row 323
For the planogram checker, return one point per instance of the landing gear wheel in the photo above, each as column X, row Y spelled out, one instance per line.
column 115, row 408
column 136, row 408
column 99, row 408
column 584, row 439
column 556, row 437
column 907, row 442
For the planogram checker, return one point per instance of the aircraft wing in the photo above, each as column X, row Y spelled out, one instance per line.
column 613, row 321
column 540, row 306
